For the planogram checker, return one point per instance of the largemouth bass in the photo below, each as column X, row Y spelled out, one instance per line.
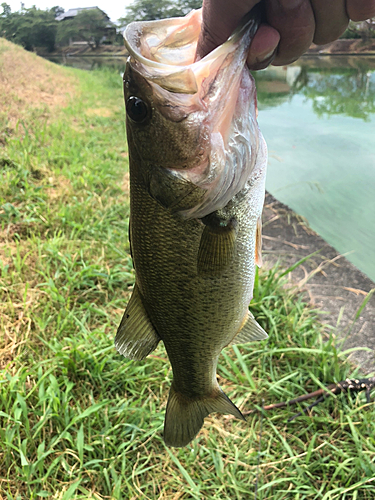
column 197, row 183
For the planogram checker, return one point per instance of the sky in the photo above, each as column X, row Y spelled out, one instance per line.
column 113, row 8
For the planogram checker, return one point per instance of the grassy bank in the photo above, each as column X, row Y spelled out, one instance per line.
column 79, row 421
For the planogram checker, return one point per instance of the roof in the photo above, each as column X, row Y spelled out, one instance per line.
column 73, row 12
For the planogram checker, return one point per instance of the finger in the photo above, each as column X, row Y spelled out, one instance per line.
column 330, row 23
column 219, row 19
column 294, row 20
column 263, row 48
column 360, row 10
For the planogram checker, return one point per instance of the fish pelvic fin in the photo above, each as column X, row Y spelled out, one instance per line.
column 136, row 337
column 184, row 416
column 249, row 331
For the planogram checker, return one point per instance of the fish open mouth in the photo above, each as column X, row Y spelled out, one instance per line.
column 218, row 87
column 164, row 51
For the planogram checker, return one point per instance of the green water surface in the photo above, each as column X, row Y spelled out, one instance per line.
column 318, row 118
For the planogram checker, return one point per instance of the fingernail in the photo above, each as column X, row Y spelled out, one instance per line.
column 261, row 62
column 264, row 57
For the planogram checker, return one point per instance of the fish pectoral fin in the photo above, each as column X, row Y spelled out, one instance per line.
column 136, row 337
column 185, row 416
column 216, row 248
column 250, row 331
column 258, row 243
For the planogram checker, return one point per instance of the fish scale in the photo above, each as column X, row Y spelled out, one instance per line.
column 194, row 275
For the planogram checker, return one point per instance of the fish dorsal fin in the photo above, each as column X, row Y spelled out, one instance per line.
column 216, row 248
column 185, row 416
column 258, row 243
column 136, row 337
column 249, row 331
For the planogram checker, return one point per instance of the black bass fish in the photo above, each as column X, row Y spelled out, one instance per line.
column 197, row 183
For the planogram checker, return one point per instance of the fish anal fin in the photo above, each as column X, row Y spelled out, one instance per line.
column 250, row 331
column 258, row 243
column 216, row 248
column 136, row 337
column 185, row 416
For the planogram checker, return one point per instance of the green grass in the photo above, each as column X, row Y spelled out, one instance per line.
column 79, row 421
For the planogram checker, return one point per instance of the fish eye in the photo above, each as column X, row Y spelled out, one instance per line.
column 136, row 109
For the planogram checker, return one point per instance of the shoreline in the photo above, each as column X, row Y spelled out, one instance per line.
column 341, row 47
column 328, row 279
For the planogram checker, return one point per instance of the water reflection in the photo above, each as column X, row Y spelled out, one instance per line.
column 335, row 86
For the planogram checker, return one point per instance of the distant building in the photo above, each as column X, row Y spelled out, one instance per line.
column 110, row 30
column 69, row 14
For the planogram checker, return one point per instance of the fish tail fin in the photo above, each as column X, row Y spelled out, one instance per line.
column 185, row 416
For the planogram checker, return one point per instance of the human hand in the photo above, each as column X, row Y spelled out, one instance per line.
column 292, row 25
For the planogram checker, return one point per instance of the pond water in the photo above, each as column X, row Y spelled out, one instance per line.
column 318, row 118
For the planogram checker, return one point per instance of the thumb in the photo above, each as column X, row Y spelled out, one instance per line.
column 219, row 19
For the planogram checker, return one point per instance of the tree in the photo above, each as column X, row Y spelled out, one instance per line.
column 364, row 30
column 30, row 28
column 6, row 10
column 148, row 10
column 88, row 25
column 57, row 10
